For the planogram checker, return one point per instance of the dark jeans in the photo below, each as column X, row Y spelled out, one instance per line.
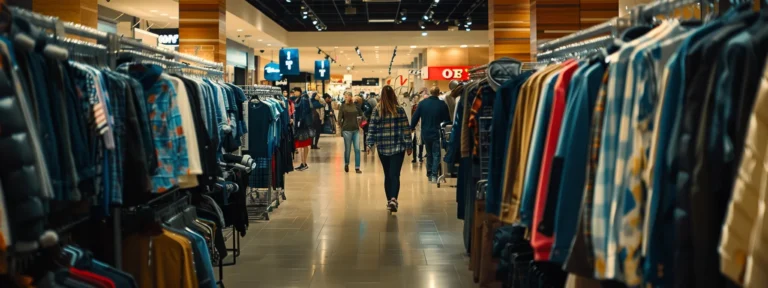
column 316, row 140
column 392, row 165
column 421, row 150
column 433, row 157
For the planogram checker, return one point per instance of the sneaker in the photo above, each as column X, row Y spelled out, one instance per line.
column 346, row 168
column 303, row 167
column 358, row 171
column 433, row 180
column 392, row 205
column 299, row 167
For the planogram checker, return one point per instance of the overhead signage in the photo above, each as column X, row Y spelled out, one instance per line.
column 322, row 70
column 289, row 61
column 168, row 37
column 371, row 81
column 272, row 72
column 446, row 73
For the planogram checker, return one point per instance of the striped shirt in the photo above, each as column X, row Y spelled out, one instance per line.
column 391, row 134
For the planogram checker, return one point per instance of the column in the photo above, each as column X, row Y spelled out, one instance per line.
column 84, row 12
column 509, row 28
column 202, row 29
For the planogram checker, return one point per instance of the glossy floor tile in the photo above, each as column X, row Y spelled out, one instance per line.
column 334, row 231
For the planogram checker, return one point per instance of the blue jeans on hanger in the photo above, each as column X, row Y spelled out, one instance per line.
column 433, row 157
column 351, row 138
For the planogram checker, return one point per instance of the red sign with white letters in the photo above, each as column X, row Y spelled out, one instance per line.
column 447, row 73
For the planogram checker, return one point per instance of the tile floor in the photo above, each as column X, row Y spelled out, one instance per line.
column 334, row 231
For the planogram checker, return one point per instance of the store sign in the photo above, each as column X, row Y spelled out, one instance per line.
column 322, row 70
column 167, row 36
column 446, row 73
column 289, row 61
column 272, row 72
column 283, row 82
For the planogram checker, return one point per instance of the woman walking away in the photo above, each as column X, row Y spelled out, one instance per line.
column 304, row 128
column 391, row 133
column 349, row 119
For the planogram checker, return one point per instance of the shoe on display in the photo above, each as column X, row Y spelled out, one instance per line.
column 358, row 171
column 346, row 168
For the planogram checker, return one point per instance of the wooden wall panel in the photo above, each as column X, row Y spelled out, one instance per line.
column 85, row 12
column 510, row 28
column 202, row 29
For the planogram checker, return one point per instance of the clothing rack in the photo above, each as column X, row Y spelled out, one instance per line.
column 113, row 45
column 602, row 35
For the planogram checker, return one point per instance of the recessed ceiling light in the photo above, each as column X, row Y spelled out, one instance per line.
column 269, row 44
column 477, row 45
column 336, row 47
column 413, row 47
column 153, row 11
column 341, row 51
column 442, row 46
column 377, row 47
column 173, row 17
column 239, row 30
column 259, row 40
column 164, row 14
column 463, row 46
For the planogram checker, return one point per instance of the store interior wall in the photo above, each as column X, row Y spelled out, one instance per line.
column 240, row 55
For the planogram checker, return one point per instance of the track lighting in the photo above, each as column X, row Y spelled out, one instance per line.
column 403, row 15
column 437, row 1
column 426, row 17
column 437, row 22
column 468, row 28
column 314, row 21
column 304, row 17
column 421, row 24
column 319, row 51
column 469, row 20
column 306, row 12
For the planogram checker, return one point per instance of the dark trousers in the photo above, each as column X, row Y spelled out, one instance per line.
column 392, row 165
column 421, row 150
column 433, row 157
column 316, row 140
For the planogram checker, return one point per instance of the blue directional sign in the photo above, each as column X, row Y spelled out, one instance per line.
column 289, row 61
column 322, row 70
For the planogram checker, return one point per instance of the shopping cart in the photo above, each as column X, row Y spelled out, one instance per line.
column 446, row 170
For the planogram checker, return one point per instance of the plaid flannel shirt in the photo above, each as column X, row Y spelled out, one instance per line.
column 391, row 134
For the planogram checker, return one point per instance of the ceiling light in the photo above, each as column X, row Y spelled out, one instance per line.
column 381, row 20
column 437, row 1
column 269, row 44
column 377, row 47
column 403, row 14
column 304, row 17
column 421, row 24
column 153, row 11
column 173, row 17
column 468, row 28
column 463, row 46
column 442, row 46
column 239, row 30
column 164, row 14
column 259, row 40
column 319, row 51
column 289, row 1
column 426, row 17
column 423, row 33
column 469, row 20
column 414, row 46
column 477, row 46
column 314, row 22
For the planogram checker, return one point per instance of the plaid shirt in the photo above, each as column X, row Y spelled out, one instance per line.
column 391, row 134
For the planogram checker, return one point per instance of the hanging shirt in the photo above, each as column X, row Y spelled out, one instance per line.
column 188, row 124
column 168, row 132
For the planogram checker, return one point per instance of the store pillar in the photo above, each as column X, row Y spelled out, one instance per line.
column 83, row 12
column 202, row 29
column 509, row 29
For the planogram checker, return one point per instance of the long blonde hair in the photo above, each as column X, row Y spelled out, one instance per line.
column 388, row 104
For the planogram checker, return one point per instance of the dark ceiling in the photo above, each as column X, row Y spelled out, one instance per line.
column 333, row 14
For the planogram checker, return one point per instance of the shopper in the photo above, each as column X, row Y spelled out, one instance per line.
column 390, row 132
column 305, row 130
column 417, row 143
column 317, row 117
column 349, row 121
column 367, row 111
column 431, row 112
column 329, row 115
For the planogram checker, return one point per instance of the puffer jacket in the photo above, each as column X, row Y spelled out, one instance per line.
column 26, row 184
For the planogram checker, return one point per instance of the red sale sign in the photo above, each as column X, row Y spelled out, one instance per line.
column 447, row 73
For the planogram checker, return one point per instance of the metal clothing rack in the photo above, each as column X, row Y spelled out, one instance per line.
column 604, row 34
column 113, row 44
